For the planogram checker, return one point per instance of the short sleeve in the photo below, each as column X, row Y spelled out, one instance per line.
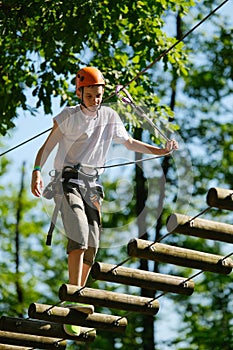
column 120, row 133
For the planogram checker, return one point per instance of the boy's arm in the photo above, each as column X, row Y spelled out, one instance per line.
column 41, row 157
column 142, row 147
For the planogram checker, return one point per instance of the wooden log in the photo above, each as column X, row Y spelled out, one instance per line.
column 69, row 316
column 32, row 341
column 113, row 300
column 220, row 198
column 13, row 347
column 179, row 256
column 46, row 329
column 142, row 279
column 200, row 228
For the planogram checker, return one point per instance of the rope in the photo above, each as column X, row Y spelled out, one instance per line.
column 32, row 138
column 227, row 256
column 196, row 216
column 120, row 264
column 125, row 163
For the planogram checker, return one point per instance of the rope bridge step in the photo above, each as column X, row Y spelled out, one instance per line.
column 143, row 279
column 41, row 328
column 69, row 292
column 13, row 347
column 29, row 340
column 69, row 316
column 200, row 228
column 179, row 256
column 220, row 198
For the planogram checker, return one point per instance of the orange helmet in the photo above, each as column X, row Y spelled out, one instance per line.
column 89, row 76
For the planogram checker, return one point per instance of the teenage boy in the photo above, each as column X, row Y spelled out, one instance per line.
column 83, row 134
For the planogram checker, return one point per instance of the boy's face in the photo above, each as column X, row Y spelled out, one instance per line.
column 92, row 96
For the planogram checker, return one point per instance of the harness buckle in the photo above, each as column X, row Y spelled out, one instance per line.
column 77, row 167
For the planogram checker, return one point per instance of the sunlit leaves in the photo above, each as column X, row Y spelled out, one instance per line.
column 42, row 40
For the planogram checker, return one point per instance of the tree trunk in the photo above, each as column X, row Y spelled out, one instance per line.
column 141, row 196
column 19, row 289
column 165, row 162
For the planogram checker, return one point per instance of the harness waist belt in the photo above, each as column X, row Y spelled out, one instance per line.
column 67, row 175
column 82, row 183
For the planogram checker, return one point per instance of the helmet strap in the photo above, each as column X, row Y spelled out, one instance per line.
column 82, row 99
column 83, row 104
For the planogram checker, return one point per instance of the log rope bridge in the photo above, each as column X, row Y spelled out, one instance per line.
column 44, row 327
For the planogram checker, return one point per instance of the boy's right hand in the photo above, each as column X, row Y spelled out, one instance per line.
column 37, row 183
column 171, row 145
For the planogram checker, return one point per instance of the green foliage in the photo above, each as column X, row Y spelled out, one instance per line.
column 215, row 72
column 44, row 42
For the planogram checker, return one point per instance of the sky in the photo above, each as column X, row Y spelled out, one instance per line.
column 27, row 126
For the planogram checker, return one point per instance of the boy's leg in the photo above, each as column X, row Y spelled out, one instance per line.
column 76, row 266
column 78, row 270
column 82, row 224
column 78, row 274
column 85, row 274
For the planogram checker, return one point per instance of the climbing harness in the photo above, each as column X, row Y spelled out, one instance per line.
column 53, row 190
column 54, row 187
column 86, row 184
column 90, row 190
column 77, row 172
column 93, row 190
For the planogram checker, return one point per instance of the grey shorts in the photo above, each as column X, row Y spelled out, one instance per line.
column 81, row 221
